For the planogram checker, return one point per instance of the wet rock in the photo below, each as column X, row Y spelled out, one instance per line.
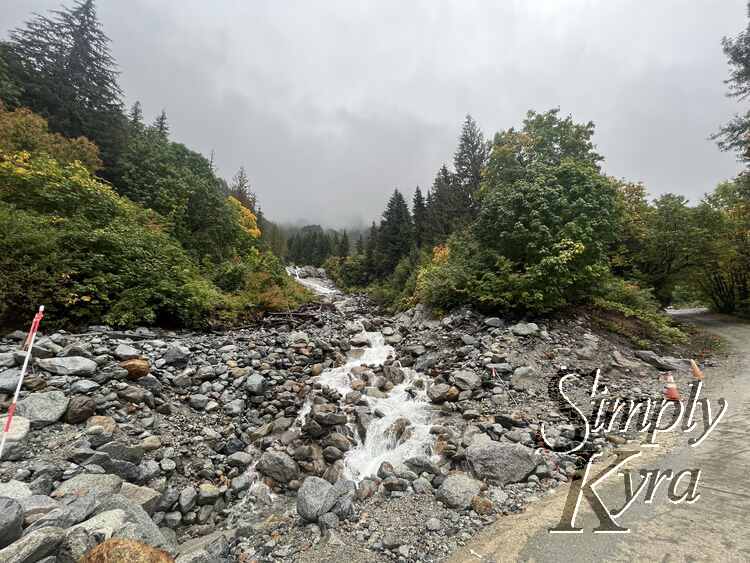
column 422, row 464
column 439, row 393
column 73, row 365
column 500, row 463
column 43, row 409
column 457, row 490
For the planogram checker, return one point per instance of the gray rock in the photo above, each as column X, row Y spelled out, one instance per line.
column 208, row 493
column 328, row 521
column 7, row 359
column 126, row 352
column 145, row 497
column 108, row 522
column 500, row 463
column 207, row 549
column 188, row 499
column 240, row 459
column 235, row 408
column 36, row 506
column 438, row 393
column 255, row 384
column 177, row 355
column 523, row 378
column 422, row 464
column 43, row 409
column 198, row 401
column 73, row 365
column 11, row 521
column 662, row 363
column 494, row 322
column 9, row 380
column 524, row 329
column 466, row 380
column 279, row 466
column 434, row 525
column 34, row 546
column 314, row 498
column 19, row 428
column 84, row 386
column 89, row 484
column 14, row 489
column 143, row 529
column 457, row 490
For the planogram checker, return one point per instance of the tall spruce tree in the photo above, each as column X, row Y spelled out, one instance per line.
column 468, row 162
column 395, row 235
column 419, row 211
column 69, row 77
column 735, row 135
column 135, row 117
column 240, row 189
column 441, row 208
column 161, row 124
column 343, row 246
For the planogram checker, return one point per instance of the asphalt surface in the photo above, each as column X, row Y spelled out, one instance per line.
column 712, row 528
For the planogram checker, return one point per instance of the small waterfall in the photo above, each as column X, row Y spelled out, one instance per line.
column 403, row 429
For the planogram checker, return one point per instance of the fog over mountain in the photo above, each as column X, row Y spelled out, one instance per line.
column 330, row 105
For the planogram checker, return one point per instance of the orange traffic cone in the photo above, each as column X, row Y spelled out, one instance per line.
column 697, row 373
column 671, row 393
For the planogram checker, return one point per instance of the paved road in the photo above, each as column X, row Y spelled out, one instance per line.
column 713, row 528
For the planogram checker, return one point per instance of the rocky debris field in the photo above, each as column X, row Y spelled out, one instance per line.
column 235, row 446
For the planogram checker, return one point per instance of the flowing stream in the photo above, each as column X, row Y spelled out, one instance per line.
column 400, row 428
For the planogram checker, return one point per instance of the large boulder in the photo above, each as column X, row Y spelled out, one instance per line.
column 11, row 521
column 662, row 363
column 14, row 489
column 457, row 490
column 9, row 380
column 500, row 463
column 34, row 546
column 43, row 409
column 314, row 498
column 72, row 365
column 278, row 466
column 140, row 526
column 89, row 484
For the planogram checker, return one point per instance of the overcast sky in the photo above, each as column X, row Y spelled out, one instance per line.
column 329, row 105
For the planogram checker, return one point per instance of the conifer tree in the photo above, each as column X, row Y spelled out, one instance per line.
column 468, row 162
column 395, row 235
column 419, row 211
column 360, row 246
column 135, row 117
column 441, row 207
column 69, row 77
column 161, row 125
column 343, row 246
column 240, row 189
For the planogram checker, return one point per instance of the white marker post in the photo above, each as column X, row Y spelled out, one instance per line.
column 28, row 345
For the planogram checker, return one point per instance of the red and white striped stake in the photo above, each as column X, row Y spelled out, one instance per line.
column 28, row 345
